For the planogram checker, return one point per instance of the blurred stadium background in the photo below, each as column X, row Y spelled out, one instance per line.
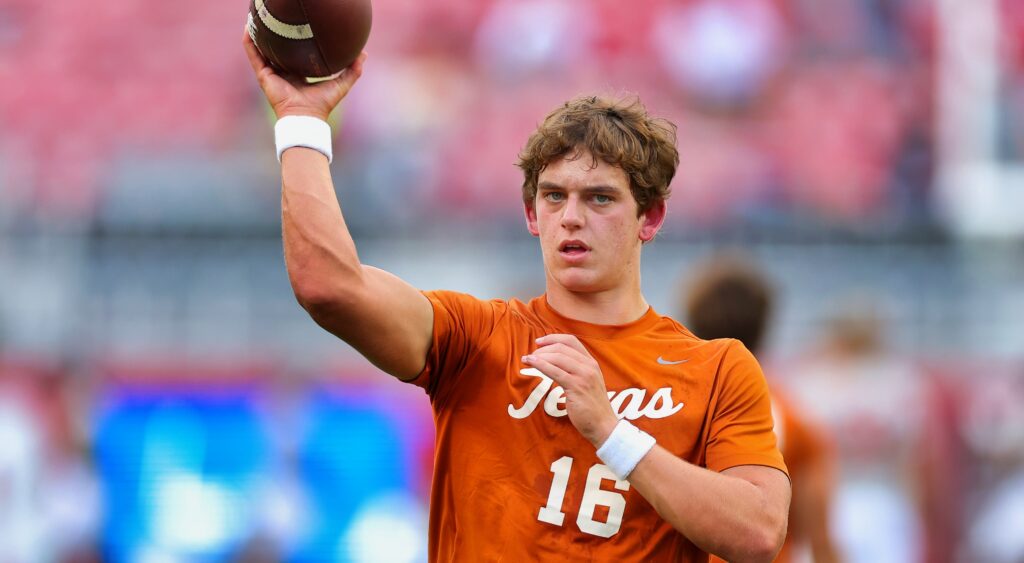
column 163, row 397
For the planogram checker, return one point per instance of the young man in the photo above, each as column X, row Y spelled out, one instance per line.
column 581, row 425
column 727, row 297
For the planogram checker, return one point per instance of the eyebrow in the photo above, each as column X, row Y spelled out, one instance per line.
column 596, row 189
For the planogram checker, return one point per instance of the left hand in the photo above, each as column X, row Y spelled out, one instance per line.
column 563, row 358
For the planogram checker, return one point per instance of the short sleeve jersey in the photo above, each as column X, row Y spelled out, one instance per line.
column 805, row 448
column 515, row 481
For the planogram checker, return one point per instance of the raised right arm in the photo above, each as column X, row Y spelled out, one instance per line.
column 384, row 318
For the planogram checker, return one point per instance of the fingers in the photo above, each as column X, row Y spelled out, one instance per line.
column 548, row 368
column 337, row 88
column 559, row 359
column 253, row 54
column 357, row 65
column 570, row 363
column 571, row 353
column 351, row 74
column 566, row 339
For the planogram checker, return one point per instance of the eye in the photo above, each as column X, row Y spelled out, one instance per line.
column 554, row 197
column 603, row 199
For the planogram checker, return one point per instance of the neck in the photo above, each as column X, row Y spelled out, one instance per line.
column 611, row 307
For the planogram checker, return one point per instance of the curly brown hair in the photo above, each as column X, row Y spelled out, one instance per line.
column 620, row 132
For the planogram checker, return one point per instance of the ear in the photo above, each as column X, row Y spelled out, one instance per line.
column 652, row 220
column 531, row 218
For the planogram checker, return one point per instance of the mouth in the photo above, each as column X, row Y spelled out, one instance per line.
column 573, row 250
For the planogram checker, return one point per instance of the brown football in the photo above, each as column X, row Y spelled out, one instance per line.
column 310, row 38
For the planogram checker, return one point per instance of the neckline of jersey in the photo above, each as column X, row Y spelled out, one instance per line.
column 591, row 330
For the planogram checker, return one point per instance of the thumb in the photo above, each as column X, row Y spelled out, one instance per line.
column 343, row 83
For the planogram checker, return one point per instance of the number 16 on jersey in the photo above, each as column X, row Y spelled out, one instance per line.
column 593, row 496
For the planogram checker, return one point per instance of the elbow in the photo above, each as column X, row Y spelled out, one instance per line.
column 324, row 300
column 769, row 549
column 766, row 543
column 762, row 545
column 317, row 303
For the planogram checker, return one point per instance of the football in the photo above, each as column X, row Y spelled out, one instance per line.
column 309, row 38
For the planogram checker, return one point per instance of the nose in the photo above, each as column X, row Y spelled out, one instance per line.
column 572, row 213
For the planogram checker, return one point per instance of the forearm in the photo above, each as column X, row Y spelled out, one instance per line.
column 385, row 319
column 722, row 514
column 319, row 252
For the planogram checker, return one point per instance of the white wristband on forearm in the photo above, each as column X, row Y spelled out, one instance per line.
column 624, row 448
column 302, row 131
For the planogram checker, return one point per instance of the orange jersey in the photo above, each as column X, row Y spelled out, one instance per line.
column 805, row 450
column 515, row 481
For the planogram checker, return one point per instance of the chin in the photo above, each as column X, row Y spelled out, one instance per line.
column 580, row 281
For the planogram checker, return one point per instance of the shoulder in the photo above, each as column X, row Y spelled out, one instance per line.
column 738, row 361
column 456, row 301
column 668, row 330
column 719, row 349
column 468, row 310
column 729, row 363
column 717, row 355
column 670, row 327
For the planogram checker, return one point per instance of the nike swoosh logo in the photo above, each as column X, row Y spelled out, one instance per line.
column 665, row 362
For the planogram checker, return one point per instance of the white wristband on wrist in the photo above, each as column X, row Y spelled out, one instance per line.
column 303, row 131
column 624, row 448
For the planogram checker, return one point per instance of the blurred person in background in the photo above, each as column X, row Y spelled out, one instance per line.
column 597, row 175
column 22, row 462
column 729, row 297
column 992, row 427
column 876, row 405
column 50, row 502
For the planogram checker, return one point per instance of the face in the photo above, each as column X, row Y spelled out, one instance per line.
column 586, row 219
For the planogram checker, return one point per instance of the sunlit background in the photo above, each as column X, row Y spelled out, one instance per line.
column 164, row 398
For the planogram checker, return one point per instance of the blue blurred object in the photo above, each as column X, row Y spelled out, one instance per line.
column 177, row 467
column 186, row 473
column 352, row 453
